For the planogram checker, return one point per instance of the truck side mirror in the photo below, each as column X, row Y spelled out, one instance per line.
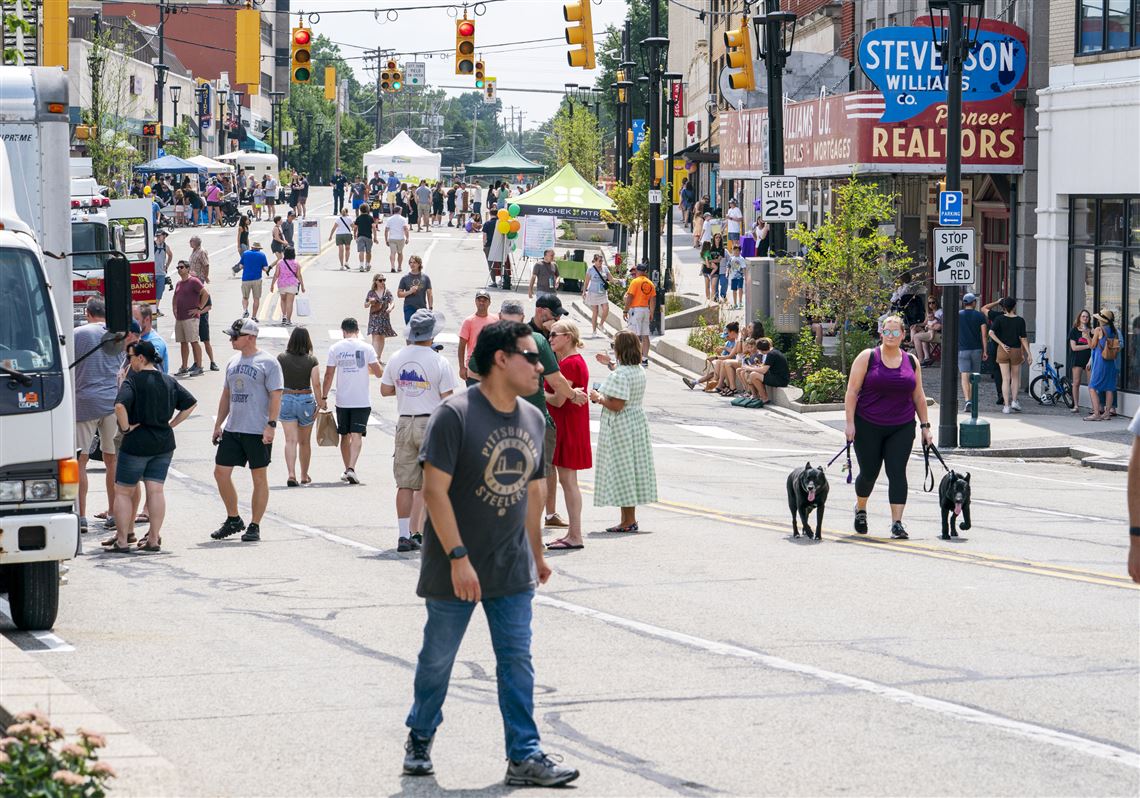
column 117, row 293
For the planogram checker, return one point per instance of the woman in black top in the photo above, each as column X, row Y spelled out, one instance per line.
column 299, row 403
column 1008, row 331
column 437, row 205
column 143, row 408
column 1080, row 350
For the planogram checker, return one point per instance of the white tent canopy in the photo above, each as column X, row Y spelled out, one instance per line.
column 404, row 157
column 212, row 167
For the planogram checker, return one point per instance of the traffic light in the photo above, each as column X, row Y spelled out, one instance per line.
column 480, row 74
column 330, row 83
column 621, row 79
column 247, row 52
column 489, row 90
column 739, row 44
column 151, row 130
column 658, row 167
column 54, row 50
column 391, row 77
column 581, row 34
column 302, row 68
column 464, row 46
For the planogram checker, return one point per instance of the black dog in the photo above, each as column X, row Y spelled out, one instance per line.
column 807, row 489
column 954, row 499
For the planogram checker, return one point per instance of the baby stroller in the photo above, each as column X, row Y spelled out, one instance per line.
column 229, row 209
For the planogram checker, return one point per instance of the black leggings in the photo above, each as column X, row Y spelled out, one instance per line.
column 875, row 445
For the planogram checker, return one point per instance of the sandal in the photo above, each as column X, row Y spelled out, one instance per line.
column 117, row 549
column 306, row 480
column 142, row 544
column 563, row 545
column 111, row 540
column 151, row 549
column 142, row 518
column 1093, row 417
column 631, row 528
column 292, row 483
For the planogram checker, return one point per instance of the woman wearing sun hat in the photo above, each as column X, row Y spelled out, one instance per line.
column 1105, row 349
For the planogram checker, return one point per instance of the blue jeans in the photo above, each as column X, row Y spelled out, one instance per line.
column 509, row 619
column 721, row 286
column 409, row 311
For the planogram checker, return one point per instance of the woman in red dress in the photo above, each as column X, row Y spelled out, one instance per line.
column 572, row 450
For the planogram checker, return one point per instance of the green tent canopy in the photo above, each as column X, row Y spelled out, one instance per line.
column 507, row 161
column 566, row 195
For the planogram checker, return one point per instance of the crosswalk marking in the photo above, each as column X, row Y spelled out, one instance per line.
column 447, row 338
column 714, row 432
column 280, row 333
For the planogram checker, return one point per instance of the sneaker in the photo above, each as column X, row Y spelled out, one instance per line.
column 556, row 521
column 418, row 538
column 999, row 401
column 1005, row 410
column 109, row 522
column 245, row 314
column 255, row 320
column 860, row 522
column 284, row 321
column 182, row 372
column 195, row 371
column 690, row 382
column 405, row 544
column 898, row 532
column 349, row 476
column 1016, row 405
column 252, row 533
column 414, row 543
column 417, row 756
column 214, row 366
column 540, row 770
column 231, row 526
column 968, row 408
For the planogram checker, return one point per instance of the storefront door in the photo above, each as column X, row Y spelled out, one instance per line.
column 995, row 255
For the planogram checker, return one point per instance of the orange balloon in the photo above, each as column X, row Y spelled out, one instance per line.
column 515, row 226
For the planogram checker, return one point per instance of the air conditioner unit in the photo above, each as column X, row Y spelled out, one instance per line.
column 135, row 86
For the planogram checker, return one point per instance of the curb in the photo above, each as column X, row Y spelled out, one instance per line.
column 26, row 685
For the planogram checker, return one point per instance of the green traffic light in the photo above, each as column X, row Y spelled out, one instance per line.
column 478, row 84
column 397, row 86
column 301, row 75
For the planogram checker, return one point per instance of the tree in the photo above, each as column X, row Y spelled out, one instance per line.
column 574, row 139
column 112, row 156
column 632, row 200
column 178, row 142
column 608, row 50
column 849, row 264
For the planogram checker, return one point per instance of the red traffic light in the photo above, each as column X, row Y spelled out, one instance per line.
column 466, row 28
column 302, row 36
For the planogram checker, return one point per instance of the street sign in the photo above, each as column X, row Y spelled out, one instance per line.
column 950, row 208
column 778, row 198
column 286, row 138
column 161, row 151
column 638, row 134
column 654, row 196
column 954, row 256
column 415, row 73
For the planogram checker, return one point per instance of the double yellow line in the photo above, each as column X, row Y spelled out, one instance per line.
column 272, row 301
column 909, row 547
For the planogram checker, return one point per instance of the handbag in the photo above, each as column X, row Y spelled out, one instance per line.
column 326, row 429
column 302, row 306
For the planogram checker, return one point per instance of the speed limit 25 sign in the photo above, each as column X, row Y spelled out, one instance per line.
column 778, row 198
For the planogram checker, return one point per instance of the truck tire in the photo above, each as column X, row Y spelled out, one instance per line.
column 33, row 594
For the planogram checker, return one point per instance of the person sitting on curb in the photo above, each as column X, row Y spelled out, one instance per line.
column 769, row 371
column 710, row 377
column 730, row 369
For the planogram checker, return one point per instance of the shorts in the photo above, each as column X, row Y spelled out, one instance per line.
column 969, row 360
column 772, row 382
column 1014, row 357
column 594, row 300
column 249, row 287
column 638, row 321
column 396, row 245
column 130, row 468
column 737, row 283
column 241, row 449
column 549, row 442
column 356, row 203
column 406, row 458
column 298, row 407
column 288, row 289
column 204, row 327
column 276, row 246
column 733, row 236
column 364, row 244
column 107, row 427
column 343, row 239
column 186, row 331
column 353, row 419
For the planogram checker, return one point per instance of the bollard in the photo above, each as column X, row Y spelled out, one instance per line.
column 974, row 432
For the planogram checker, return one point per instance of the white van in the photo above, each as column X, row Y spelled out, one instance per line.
column 257, row 164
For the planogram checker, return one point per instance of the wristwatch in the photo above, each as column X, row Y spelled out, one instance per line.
column 272, row 424
column 458, row 553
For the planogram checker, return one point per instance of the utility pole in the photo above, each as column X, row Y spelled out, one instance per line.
column 775, row 64
column 673, row 79
column 474, row 127
column 654, row 47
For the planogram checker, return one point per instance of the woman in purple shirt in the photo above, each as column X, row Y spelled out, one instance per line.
column 884, row 392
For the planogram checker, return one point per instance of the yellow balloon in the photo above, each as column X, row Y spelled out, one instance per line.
column 146, row 191
column 503, row 226
column 503, row 215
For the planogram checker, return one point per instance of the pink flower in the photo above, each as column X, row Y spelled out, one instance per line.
column 68, row 778
column 92, row 739
column 77, row 751
column 103, row 769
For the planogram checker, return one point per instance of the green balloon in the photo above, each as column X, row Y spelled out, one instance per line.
column 512, row 236
column 513, row 210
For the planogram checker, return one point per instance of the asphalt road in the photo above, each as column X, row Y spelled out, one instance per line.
column 709, row 654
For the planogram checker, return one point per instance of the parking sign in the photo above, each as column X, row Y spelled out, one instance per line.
column 950, row 208
column 954, row 256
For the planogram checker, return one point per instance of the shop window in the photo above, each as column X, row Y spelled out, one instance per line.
column 1130, row 328
column 1106, row 25
column 1111, row 222
column 1083, row 216
column 1082, row 289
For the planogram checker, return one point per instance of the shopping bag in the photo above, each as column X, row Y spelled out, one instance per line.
column 326, row 429
column 302, row 306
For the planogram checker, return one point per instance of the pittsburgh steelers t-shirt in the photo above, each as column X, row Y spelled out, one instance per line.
column 492, row 457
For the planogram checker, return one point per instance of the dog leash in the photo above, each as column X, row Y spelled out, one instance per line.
column 926, row 450
column 847, row 467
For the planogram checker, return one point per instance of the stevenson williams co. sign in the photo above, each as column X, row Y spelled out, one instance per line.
column 906, row 66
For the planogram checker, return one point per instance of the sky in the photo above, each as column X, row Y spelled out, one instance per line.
column 512, row 23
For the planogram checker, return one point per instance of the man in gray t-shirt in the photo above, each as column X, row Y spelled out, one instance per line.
column 544, row 276
column 483, row 470
column 415, row 289
column 287, row 228
column 247, row 421
column 423, row 207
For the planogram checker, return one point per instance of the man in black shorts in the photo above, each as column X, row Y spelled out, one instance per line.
column 247, row 422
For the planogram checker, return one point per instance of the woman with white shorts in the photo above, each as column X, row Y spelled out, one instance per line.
column 595, row 293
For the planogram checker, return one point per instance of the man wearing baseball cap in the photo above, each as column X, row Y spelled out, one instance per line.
column 547, row 310
column 971, row 334
column 639, row 298
column 247, row 422
column 471, row 327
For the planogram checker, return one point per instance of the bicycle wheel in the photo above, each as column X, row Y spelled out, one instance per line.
column 1067, row 386
column 1041, row 390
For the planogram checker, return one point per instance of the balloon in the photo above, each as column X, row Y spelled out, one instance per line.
column 503, row 227
column 513, row 210
column 502, row 215
column 146, row 191
column 512, row 236
column 515, row 225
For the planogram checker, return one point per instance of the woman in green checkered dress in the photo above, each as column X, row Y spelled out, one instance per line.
column 623, row 465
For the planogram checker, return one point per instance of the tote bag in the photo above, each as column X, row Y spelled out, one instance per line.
column 302, row 305
column 326, row 429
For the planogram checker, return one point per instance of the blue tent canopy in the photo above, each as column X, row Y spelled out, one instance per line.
column 169, row 164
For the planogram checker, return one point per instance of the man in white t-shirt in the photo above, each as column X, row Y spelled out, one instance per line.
column 396, row 234
column 733, row 220
column 351, row 359
column 420, row 378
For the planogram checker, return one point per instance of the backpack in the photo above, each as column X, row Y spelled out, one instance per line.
column 1111, row 348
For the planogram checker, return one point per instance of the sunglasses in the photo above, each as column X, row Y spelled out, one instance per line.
column 892, row 333
column 532, row 358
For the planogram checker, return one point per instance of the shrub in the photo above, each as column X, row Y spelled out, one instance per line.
column 36, row 760
column 673, row 304
column 618, row 281
column 705, row 337
column 858, row 339
column 824, row 385
column 804, row 357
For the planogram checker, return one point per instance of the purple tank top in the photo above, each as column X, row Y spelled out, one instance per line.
column 887, row 396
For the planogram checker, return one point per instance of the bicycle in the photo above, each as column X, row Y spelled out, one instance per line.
column 1050, row 387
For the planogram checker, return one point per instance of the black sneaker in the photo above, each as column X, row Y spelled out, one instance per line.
column 860, row 521
column 540, row 770
column 898, row 532
column 418, row 538
column 416, row 542
column 689, row 382
column 252, row 533
column 214, row 366
column 405, row 544
column 231, row 527
column 417, row 756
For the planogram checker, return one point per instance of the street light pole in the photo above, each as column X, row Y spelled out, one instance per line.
column 200, row 95
column 237, row 95
column 274, row 110
column 655, row 48
column 160, row 93
column 223, row 108
column 672, row 79
column 175, row 95
column 779, row 29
